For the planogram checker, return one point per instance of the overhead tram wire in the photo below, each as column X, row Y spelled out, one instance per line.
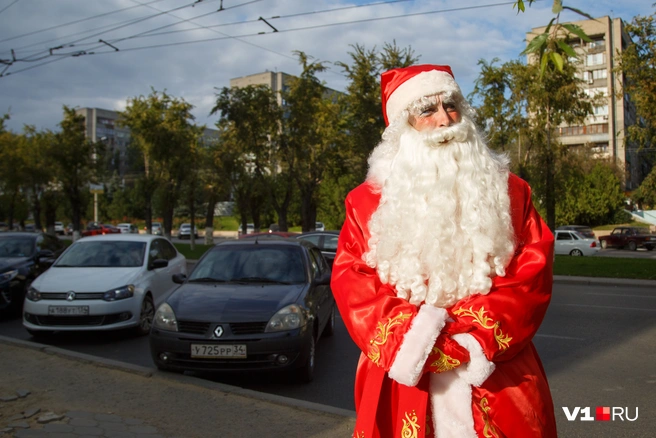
column 277, row 17
column 8, row 6
column 367, row 20
column 104, row 14
column 221, row 33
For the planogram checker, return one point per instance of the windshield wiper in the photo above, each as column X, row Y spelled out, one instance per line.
column 257, row 280
column 206, row 280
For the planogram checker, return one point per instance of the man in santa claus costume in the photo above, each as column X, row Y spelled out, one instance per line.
column 443, row 275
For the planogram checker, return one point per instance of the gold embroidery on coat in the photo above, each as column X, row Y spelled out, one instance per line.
column 384, row 331
column 486, row 322
column 357, row 434
column 444, row 362
column 488, row 431
column 410, row 426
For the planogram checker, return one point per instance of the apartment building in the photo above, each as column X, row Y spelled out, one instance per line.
column 101, row 126
column 605, row 129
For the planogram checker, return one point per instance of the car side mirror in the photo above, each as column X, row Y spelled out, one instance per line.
column 178, row 278
column 323, row 279
column 159, row 263
column 45, row 254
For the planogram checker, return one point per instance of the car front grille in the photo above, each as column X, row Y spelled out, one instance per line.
column 68, row 321
column 237, row 328
column 78, row 295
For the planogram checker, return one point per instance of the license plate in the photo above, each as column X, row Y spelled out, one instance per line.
column 218, row 351
column 68, row 310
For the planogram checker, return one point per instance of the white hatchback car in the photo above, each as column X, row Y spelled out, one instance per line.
column 128, row 228
column 573, row 243
column 104, row 282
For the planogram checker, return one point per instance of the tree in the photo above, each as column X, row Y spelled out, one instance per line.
column 645, row 195
column 253, row 115
column 311, row 131
column 160, row 127
column 75, row 161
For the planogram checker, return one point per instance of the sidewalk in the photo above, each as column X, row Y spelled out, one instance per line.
column 54, row 393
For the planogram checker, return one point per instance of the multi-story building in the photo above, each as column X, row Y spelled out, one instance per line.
column 101, row 126
column 605, row 129
column 277, row 81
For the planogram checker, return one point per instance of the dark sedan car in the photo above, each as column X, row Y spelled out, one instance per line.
column 23, row 257
column 248, row 305
column 326, row 241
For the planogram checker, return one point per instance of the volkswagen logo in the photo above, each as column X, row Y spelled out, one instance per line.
column 218, row 331
column 70, row 295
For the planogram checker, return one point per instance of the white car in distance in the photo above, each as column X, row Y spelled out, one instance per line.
column 104, row 282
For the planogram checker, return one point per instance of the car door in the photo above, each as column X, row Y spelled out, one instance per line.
column 564, row 242
column 322, row 293
column 177, row 265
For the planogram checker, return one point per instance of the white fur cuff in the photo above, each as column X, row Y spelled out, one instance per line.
column 417, row 345
column 479, row 368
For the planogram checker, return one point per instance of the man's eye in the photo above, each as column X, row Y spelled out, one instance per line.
column 449, row 107
column 427, row 111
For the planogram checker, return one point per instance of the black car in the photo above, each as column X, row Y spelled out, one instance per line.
column 326, row 241
column 23, row 257
column 248, row 305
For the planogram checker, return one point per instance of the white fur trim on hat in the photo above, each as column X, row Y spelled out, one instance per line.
column 426, row 83
column 417, row 344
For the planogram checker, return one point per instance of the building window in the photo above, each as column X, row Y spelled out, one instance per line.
column 596, row 44
column 598, row 128
column 600, row 110
column 596, row 59
column 600, row 148
column 567, row 131
column 594, row 92
column 599, row 74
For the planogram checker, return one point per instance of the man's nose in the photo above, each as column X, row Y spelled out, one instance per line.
column 442, row 119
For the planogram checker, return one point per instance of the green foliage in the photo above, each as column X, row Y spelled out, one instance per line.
column 638, row 64
column 645, row 195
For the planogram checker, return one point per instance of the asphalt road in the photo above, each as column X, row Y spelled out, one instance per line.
column 597, row 344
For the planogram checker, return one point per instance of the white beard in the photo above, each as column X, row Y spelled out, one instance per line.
column 443, row 228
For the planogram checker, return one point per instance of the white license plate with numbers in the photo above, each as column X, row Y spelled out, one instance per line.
column 68, row 310
column 218, row 351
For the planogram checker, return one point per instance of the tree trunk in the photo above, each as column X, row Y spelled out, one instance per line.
column 209, row 218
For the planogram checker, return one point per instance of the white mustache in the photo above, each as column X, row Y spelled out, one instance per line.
column 441, row 136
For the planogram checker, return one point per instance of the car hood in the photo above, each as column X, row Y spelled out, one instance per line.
column 11, row 262
column 85, row 279
column 232, row 302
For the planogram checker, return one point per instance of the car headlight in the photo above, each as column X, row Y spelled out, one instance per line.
column 119, row 293
column 9, row 275
column 165, row 318
column 33, row 294
column 287, row 318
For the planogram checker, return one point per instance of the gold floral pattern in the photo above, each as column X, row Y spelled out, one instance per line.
column 383, row 333
column 488, row 430
column 486, row 322
column 444, row 362
column 358, row 435
column 410, row 426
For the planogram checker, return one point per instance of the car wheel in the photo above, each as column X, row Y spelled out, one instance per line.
column 146, row 316
column 604, row 244
column 329, row 329
column 306, row 371
column 576, row 253
column 632, row 246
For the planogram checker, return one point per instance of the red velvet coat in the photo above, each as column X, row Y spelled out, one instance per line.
column 469, row 370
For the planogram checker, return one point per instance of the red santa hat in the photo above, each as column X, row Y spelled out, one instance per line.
column 402, row 86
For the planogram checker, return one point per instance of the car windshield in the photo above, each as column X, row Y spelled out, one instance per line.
column 16, row 246
column 251, row 264
column 103, row 254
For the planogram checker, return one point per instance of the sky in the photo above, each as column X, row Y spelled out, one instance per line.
column 100, row 53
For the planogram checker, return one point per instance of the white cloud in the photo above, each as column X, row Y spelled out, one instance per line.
column 193, row 71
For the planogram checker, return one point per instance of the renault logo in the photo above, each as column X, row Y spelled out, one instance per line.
column 218, row 331
column 70, row 295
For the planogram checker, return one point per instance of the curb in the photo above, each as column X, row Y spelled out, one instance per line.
column 152, row 372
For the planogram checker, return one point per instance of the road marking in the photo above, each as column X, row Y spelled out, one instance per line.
column 560, row 337
column 620, row 295
column 606, row 307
